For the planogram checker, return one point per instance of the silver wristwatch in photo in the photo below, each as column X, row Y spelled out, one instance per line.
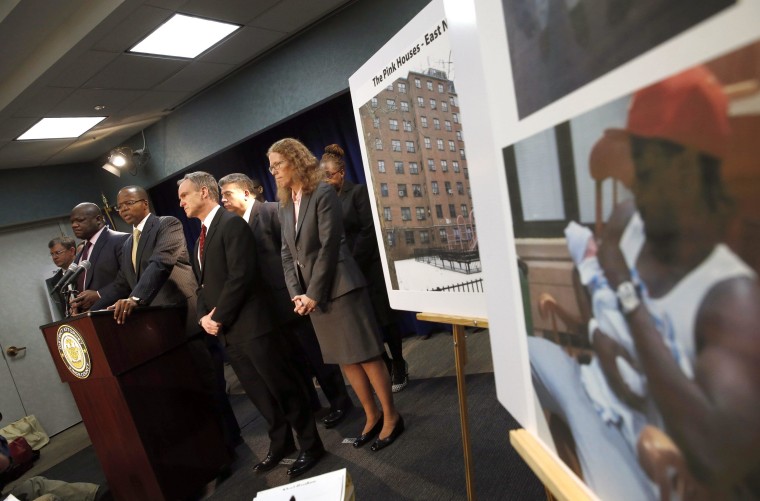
column 628, row 297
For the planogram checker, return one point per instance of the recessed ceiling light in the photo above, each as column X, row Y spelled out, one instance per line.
column 60, row 128
column 184, row 36
column 100, row 107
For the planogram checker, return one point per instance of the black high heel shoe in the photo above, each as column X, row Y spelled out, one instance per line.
column 382, row 443
column 372, row 433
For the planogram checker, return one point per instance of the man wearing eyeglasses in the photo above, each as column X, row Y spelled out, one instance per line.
column 63, row 250
column 102, row 248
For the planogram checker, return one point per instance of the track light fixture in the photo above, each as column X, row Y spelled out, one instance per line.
column 124, row 158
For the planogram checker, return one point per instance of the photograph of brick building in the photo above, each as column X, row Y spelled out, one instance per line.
column 415, row 145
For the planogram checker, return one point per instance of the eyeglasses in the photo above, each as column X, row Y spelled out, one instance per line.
column 58, row 252
column 329, row 175
column 128, row 204
column 276, row 166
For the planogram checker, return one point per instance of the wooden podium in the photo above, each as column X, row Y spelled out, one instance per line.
column 141, row 401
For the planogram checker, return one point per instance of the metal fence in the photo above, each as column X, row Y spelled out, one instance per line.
column 462, row 261
column 471, row 286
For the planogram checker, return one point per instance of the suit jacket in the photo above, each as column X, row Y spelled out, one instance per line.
column 314, row 254
column 164, row 275
column 57, row 300
column 359, row 225
column 267, row 232
column 228, row 280
column 104, row 259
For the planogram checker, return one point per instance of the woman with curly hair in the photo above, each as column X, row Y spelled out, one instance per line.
column 325, row 283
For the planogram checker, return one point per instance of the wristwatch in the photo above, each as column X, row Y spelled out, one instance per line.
column 135, row 299
column 628, row 297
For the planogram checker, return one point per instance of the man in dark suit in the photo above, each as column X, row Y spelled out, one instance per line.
column 63, row 250
column 102, row 248
column 156, row 271
column 239, row 196
column 232, row 307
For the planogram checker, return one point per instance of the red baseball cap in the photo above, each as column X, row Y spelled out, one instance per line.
column 689, row 108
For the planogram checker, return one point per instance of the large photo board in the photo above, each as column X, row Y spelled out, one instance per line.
column 415, row 157
column 631, row 202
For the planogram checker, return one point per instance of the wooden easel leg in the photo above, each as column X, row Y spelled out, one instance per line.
column 460, row 359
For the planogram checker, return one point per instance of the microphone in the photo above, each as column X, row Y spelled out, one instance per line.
column 83, row 266
column 69, row 271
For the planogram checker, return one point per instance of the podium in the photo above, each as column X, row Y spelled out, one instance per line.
column 136, row 387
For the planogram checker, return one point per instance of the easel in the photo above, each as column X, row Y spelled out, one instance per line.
column 558, row 481
column 460, row 360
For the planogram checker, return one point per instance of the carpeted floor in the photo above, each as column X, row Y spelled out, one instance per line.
column 425, row 463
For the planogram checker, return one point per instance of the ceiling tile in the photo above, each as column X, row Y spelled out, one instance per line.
column 291, row 15
column 13, row 127
column 83, row 68
column 130, row 71
column 231, row 11
column 133, row 28
column 243, row 46
column 30, row 153
column 154, row 103
column 39, row 104
column 82, row 102
column 195, row 76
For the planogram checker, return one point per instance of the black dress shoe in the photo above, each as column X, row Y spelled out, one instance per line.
column 366, row 437
column 335, row 417
column 382, row 443
column 271, row 461
column 305, row 461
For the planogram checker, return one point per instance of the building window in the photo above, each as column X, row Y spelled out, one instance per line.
column 447, row 125
column 378, row 144
column 461, row 153
column 466, row 173
column 439, row 211
column 384, row 189
column 391, row 237
column 434, row 187
column 443, row 235
column 444, row 106
column 398, row 166
column 452, row 146
column 432, row 103
column 453, row 101
column 456, row 117
column 440, row 88
column 381, row 165
column 409, row 237
column 436, row 124
column 464, row 209
column 452, row 211
column 402, row 190
column 395, row 145
column 376, row 123
column 459, row 135
column 414, row 168
column 373, row 103
column 455, row 165
column 457, row 234
column 393, row 124
column 417, row 83
column 407, row 126
column 420, row 102
column 406, row 214
column 387, row 213
column 416, row 190
column 429, row 85
column 460, row 188
column 402, row 87
column 424, row 236
column 427, row 143
column 410, row 147
column 444, row 166
column 431, row 165
column 447, row 185
column 404, row 105
column 423, row 121
column 439, row 143
column 390, row 86
column 420, row 213
column 391, row 104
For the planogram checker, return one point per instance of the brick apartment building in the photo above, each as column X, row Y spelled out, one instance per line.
column 413, row 134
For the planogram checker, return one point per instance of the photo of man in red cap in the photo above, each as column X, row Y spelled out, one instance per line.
column 676, row 339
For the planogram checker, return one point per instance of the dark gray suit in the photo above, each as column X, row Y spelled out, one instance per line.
column 265, row 223
column 229, row 282
column 104, row 258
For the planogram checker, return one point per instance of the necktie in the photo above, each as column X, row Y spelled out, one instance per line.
column 82, row 277
column 201, row 243
column 135, row 240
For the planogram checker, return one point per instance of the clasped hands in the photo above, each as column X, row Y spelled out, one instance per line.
column 304, row 304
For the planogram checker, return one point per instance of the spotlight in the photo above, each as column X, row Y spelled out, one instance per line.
column 125, row 158
column 112, row 169
column 120, row 156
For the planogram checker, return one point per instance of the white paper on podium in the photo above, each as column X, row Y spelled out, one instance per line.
column 327, row 487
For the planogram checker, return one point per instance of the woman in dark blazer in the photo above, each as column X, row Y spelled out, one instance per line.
column 362, row 242
column 325, row 283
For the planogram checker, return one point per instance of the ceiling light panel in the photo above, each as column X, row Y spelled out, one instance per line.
column 60, row 128
column 184, row 36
